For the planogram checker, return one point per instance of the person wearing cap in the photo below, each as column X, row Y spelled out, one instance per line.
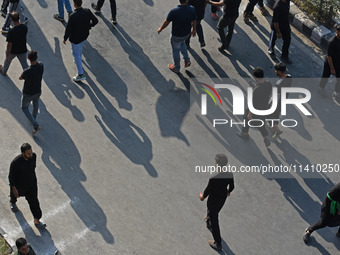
column 332, row 63
column 218, row 189
column 330, row 213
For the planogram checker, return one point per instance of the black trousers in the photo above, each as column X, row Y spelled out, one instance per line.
column 199, row 32
column 251, row 4
column 214, row 207
column 262, row 129
column 113, row 7
column 4, row 5
column 327, row 220
column 221, row 25
column 286, row 37
column 32, row 198
column 327, row 73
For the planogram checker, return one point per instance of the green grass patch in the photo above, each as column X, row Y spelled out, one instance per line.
column 5, row 249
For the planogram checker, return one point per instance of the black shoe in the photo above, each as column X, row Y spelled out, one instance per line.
column 286, row 60
column 223, row 47
column 202, row 44
column 40, row 225
column 113, row 21
column 57, row 17
column 217, row 247
column 271, row 52
column 95, row 8
column 306, row 236
column 243, row 135
column 14, row 208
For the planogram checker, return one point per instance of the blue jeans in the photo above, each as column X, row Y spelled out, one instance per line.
column 61, row 4
column 25, row 102
column 77, row 51
column 178, row 45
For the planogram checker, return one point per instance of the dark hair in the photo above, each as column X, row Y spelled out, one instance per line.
column 182, row 1
column 20, row 242
column 280, row 67
column 78, row 2
column 32, row 55
column 25, row 147
column 15, row 16
column 338, row 28
column 258, row 72
column 221, row 159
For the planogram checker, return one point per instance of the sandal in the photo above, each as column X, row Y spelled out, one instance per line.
column 40, row 225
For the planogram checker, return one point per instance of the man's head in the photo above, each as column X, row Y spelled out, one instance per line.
column 280, row 68
column 183, row 1
column 15, row 17
column 32, row 55
column 221, row 160
column 258, row 73
column 22, row 246
column 26, row 151
column 338, row 31
column 77, row 3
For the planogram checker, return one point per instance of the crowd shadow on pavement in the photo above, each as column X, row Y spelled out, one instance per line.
column 62, row 158
column 149, row 2
column 172, row 101
column 125, row 135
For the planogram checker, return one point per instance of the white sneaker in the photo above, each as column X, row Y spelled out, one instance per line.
column 79, row 77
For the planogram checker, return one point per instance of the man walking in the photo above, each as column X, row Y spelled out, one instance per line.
column 32, row 88
column 16, row 44
column 200, row 9
column 60, row 15
column 14, row 5
column 78, row 29
column 330, row 213
column 97, row 7
column 182, row 18
column 23, row 182
column 4, row 6
column 332, row 63
column 261, row 95
column 219, row 188
column 280, row 29
column 248, row 12
column 284, row 81
column 230, row 14
column 23, row 247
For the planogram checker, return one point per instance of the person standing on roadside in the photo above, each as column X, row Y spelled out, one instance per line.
column 332, row 63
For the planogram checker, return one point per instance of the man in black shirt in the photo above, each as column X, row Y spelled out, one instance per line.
column 332, row 63
column 261, row 95
column 16, row 44
column 78, row 29
column 230, row 14
column 32, row 88
column 280, row 28
column 330, row 213
column 23, row 182
column 200, row 9
column 219, row 188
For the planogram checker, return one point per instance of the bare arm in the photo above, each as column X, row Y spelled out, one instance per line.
column 217, row 4
column 164, row 25
column 277, row 29
column 330, row 62
column 9, row 48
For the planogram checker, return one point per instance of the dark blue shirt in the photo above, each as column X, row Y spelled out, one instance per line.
column 181, row 17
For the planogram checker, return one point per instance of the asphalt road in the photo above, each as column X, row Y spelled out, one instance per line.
column 116, row 153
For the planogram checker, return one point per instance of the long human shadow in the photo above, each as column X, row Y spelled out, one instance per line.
column 172, row 101
column 42, row 244
column 229, row 140
column 63, row 160
column 125, row 135
column 56, row 77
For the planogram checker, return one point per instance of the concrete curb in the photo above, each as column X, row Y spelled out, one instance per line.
column 10, row 241
column 317, row 33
